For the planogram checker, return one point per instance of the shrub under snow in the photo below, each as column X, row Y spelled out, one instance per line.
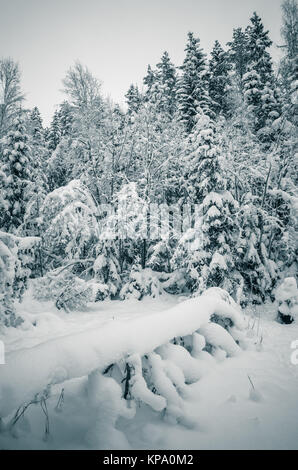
column 66, row 290
column 141, row 282
column 287, row 297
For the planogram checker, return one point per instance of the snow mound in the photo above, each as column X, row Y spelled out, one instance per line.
column 287, row 290
column 29, row 371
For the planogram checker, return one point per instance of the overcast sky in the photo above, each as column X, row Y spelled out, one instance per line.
column 116, row 39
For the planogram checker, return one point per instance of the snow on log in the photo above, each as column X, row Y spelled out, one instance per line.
column 29, row 371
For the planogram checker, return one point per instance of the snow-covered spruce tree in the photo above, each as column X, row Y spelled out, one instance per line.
column 161, row 85
column 192, row 86
column 185, row 275
column 109, row 262
column 35, row 125
column 16, row 165
column 257, row 269
column 37, row 187
column 54, row 134
column 258, row 42
column 106, row 268
column 149, row 81
column 7, row 273
column 59, row 168
column 211, row 241
column 133, row 233
column 133, row 99
column 16, row 260
column 239, row 146
column 167, row 84
column 56, row 166
column 239, row 55
column 265, row 241
column 219, row 81
column 66, row 119
column 38, row 146
column 59, row 139
column 260, row 91
column 168, row 222
column 120, row 252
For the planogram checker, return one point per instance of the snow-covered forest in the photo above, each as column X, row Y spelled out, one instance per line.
column 148, row 254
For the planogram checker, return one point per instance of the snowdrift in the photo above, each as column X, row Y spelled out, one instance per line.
column 29, row 371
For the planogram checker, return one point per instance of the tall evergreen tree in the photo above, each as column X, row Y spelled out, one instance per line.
column 238, row 54
column 35, row 124
column 16, row 166
column 66, row 119
column 219, row 68
column 258, row 43
column 54, row 134
column 161, row 85
column 211, row 264
column 133, row 99
column 259, row 83
column 149, row 81
column 193, row 84
column 167, row 81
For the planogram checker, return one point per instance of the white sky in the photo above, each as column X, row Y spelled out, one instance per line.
column 116, row 39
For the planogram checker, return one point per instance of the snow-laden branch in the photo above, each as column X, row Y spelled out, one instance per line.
column 28, row 371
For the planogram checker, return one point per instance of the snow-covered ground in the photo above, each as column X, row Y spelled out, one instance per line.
column 245, row 402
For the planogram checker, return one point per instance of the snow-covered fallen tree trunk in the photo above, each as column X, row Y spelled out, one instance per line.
column 29, row 371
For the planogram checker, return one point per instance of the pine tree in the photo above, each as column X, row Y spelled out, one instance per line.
column 38, row 186
column 150, row 81
column 38, row 147
column 167, row 82
column 16, row 165
column 16, row 259
column 219, row 82
column 257, row 270
column 258, row 43
column 54, row 134
column 66, row 119
column 260, row 90
column 193, row 85
column 161, row 85
column 212, row 263
column 201, row 170
column 35, row 125
column 133, row 99
column 239, row 55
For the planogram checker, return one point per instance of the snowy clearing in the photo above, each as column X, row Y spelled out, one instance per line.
column 249, row 401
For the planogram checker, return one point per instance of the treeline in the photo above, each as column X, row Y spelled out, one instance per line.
column 219, row 135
